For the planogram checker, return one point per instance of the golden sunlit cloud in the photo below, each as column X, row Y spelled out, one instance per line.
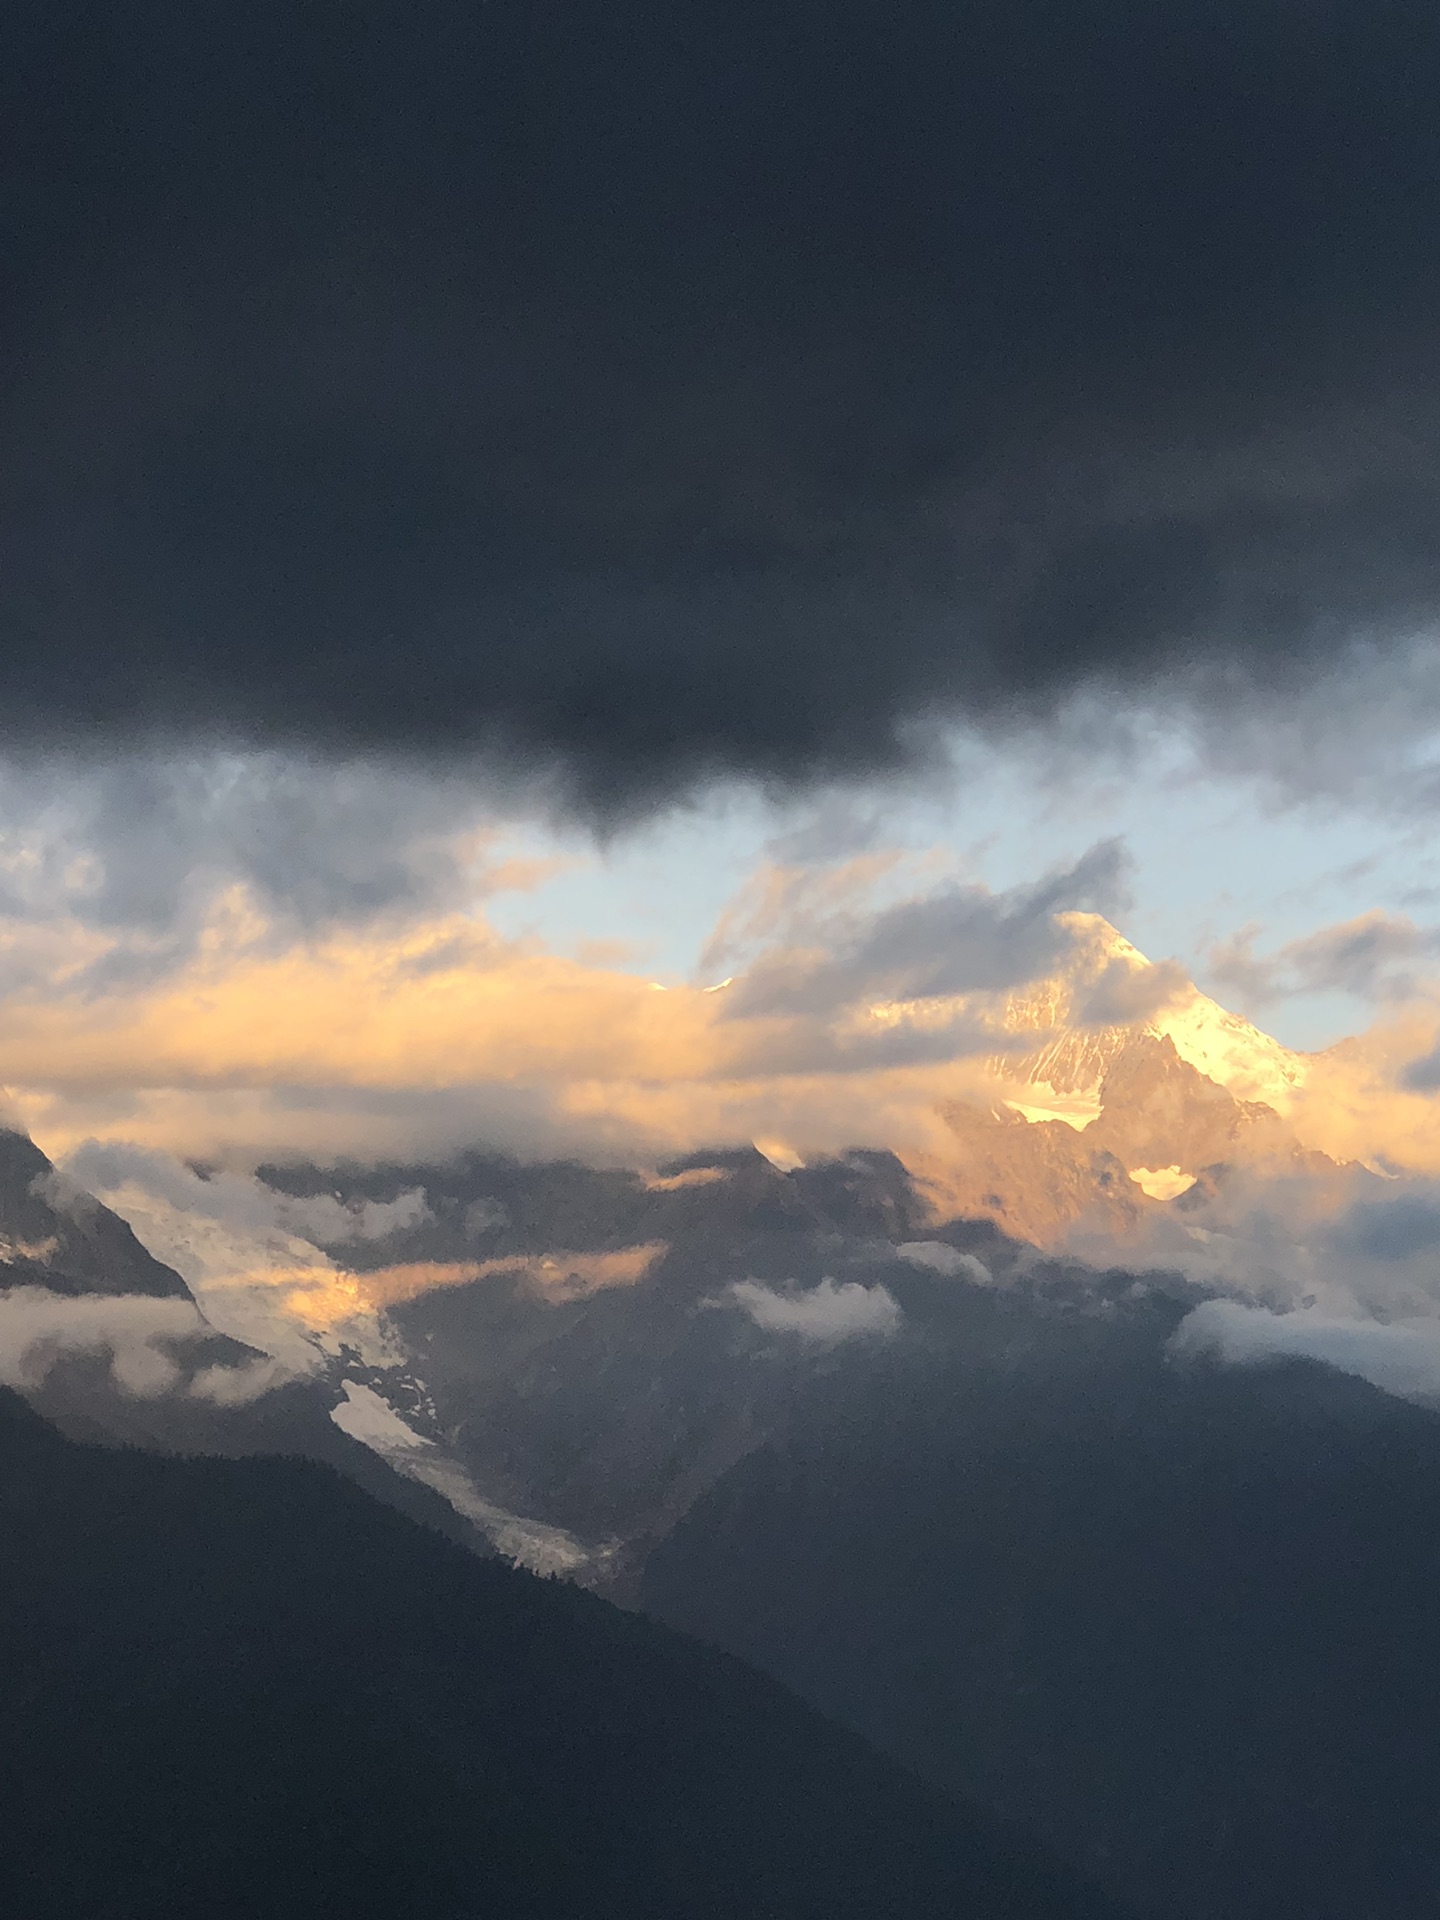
column 425, row 1036
column 440, row 1031
column 1355, row 1104
column 556, row 1276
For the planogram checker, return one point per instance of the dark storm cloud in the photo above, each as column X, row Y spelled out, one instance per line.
column 643, row 393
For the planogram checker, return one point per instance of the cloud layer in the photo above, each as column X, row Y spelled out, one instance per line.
column 638, row 405
column 859, row 992
column 144, row 1338
column 1401, row 1358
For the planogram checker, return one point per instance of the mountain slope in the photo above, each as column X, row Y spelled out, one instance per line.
column 83, row 1301
column 1180, row 1618
column 1114, row 1089
column 1062, row 1036
column 235, row 1688
column 55, row 1237
column 606, row 1408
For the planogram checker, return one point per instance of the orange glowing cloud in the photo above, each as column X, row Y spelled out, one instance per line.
column 420, row 1038
column 442, row 1006
column 557, row 1276
column 1355, row 1104
column 437, row 1032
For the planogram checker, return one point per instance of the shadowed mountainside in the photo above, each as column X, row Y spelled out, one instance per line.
column 241, row 1687
column 1181, row 1618
column 54, row 1236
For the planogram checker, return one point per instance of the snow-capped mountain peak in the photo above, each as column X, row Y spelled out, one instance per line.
column 1061, row 1077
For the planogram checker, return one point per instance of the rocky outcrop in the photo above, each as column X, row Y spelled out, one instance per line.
column 52, row 1235
column 1035, row 1179
column 1155, row 1124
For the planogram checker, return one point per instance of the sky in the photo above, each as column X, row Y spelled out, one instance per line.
column 508, row 512
column 1216, row 863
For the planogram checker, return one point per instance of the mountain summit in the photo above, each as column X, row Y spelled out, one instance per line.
column 1107, row 975
column 1115, row 1089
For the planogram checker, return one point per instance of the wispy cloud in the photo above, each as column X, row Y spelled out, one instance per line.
column 938, row 1256
column 953, row 940
column 1376, row 956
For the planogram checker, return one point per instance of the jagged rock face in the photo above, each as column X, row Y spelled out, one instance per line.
column 1156, row 1110
column 1159, row 1125
column 1055, row 1045
column 55, row 1237
column 1091, row 1130
column 1034, row 1179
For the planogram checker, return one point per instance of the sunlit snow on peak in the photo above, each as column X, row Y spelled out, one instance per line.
column 1064, row 1072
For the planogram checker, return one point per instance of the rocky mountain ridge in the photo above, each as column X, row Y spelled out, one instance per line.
column 1154, row 1127
column 1114, row 1091
column 1108, row 995
column 567, row 1356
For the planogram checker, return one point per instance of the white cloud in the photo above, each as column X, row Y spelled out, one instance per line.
column 245, row 1251
column 238, row 1386
column 239, row 1199
column 38, row 1328
column 145, row 1338
column 1399, row 1357
column 322, row 1217
column 826, row 1315
column 940, row 1257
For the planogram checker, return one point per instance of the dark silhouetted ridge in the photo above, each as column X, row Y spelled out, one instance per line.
column 1180, row 1620
column 242, row 1688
